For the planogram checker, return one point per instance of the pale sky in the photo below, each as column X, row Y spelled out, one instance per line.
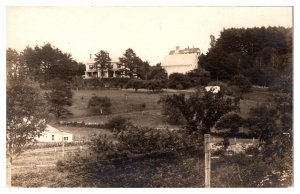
column 150, row 31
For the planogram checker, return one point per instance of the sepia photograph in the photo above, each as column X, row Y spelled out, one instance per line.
column 149, row 96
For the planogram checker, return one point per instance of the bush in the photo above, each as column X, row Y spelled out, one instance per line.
column 155, row 85
column 137, row 107
column 135, row 84
column 100, row 104
column 198, row 77
column 172, row 114
column 179, row 81
column 242, row 82
column 118, row 123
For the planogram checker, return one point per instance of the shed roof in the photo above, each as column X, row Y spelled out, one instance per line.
column 51, row 129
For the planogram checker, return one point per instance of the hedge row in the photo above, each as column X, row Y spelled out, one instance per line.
column 82, row 124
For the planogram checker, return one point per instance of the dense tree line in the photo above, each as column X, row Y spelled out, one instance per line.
column 263, row 55
column 44, row 63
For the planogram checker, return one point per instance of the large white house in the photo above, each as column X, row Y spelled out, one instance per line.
column 91, row 71
column 52, row 134
column 181, row 61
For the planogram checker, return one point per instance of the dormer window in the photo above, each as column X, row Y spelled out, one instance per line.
column 91, row 66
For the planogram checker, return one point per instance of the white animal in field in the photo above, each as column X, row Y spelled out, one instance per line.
column 213, row 89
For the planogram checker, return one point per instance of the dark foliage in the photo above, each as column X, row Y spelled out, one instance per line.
column 100, row 104
column 118, row 123
column 241, row 82
column 261, row 54
column 201, row 112
column 60, row 95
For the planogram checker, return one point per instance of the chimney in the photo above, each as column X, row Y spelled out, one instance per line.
column 90, row 56
column 177, row 48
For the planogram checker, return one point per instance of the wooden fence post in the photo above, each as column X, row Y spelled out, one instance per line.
column 207, row 160
column 63, row 146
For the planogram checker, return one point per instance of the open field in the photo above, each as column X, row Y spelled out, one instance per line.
column 124, row 101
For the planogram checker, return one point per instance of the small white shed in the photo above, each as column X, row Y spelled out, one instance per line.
column 213, row 89
column 52, row 134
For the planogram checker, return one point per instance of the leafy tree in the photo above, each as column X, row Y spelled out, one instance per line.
column 60, row 95
column 241, row 82
column 272, row 120
column 26, row 115
column 118, row 123
column 273, row 123
column 198, row 77
column 143, row 70
column 261, row 54
column 100, row 104
column 129, row 63
column 15, row 69
column 171, row 113
column 102, row 62
column 201, row 112
column 77, row 82
column 157, row 72
column 133, row 66
column 155, row 85
column 212, row 41
column 230, row 121
column 44, row 63
column 25, row 110
column 136, row 84
column 178, row 81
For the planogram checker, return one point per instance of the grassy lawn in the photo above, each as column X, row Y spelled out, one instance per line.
column 123, row 104
column 124, row 101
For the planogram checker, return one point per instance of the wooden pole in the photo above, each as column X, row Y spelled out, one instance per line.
column 63, row 146
column 207, row 160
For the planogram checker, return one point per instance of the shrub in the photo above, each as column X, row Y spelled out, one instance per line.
column 100, row 104
column 137, row 107
column 179, row 81
column 155, row 85
column 242, row 82
column 172, row 114
column 135, row 84
column 198, row 77
column 118, row 123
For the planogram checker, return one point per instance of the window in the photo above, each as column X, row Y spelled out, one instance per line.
column 91, row 66
column 52, row 137
column 65, row 138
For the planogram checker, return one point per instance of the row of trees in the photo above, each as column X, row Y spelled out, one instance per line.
column 263, row 55
column 43, row 64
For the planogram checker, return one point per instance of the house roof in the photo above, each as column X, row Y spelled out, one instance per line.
column 51, row 129
column 179, row 60
column 185, row 51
